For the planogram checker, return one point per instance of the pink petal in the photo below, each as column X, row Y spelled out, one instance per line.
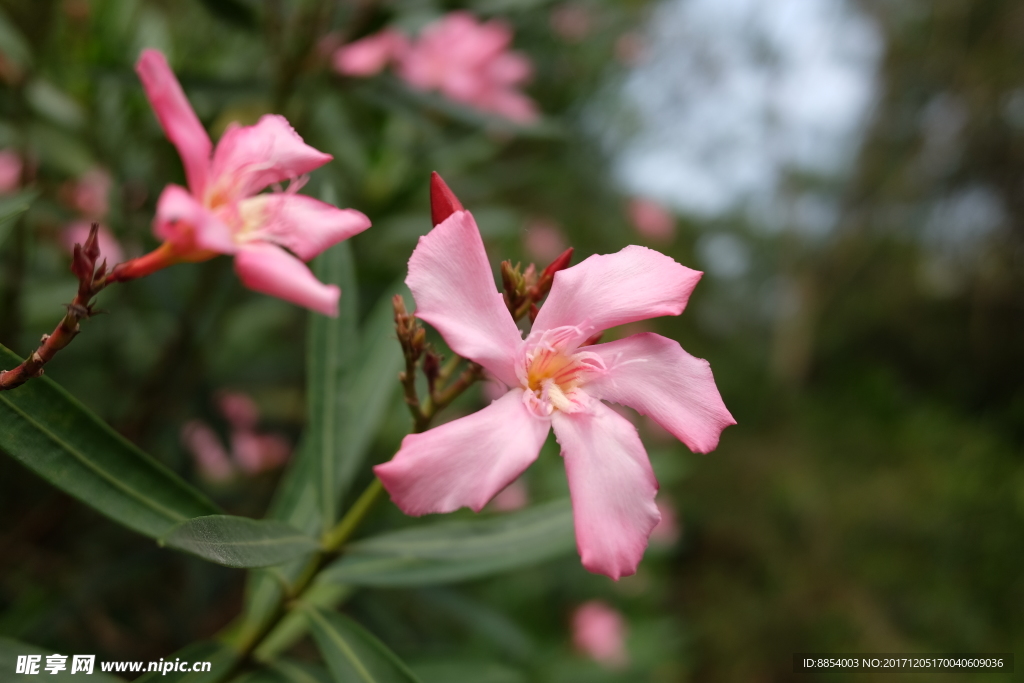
column 465, row 462
column 600, row 631
column 654, row 376
column 179, row 121
column 302, row 224
column 249, row 158
column 603, row 291
column 247, row 450
column 451, row 281
column 110, row 249
column 189, row 226
column 612, row 487
column 651, row 219
column 369, row 55
column 269, row 269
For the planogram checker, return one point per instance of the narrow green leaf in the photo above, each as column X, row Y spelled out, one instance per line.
column 294, row 625
column 352, row 653
column 239, row 541
column 451, row 551
column 55, row 436
column 11, row 208
column 332, row 346
column 10, row 650
column 301, row 672
column 221, row 658
column 462, row 671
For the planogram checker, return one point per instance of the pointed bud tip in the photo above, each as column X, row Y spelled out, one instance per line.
column 560, row 263
column 443, row 202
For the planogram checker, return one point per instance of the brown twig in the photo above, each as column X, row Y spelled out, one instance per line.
column 91, row 281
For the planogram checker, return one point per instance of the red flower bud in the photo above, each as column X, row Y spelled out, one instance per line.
column 443, row 202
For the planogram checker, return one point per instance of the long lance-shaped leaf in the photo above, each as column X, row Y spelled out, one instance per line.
column 371, row 386
column 220, row 657
column 11, row 208
column 55, row 436
column 353, row 654
column 286, row 671
column 240, row 542
column 451, row 551
column 332, row 345
column 11, row 650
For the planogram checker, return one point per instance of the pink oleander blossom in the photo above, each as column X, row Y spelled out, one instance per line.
column 10, row 171
column 652, row 220
column 89, row 195
column 557, row 383
column 599, row 631
column 466, row 60
column 222, row 212
column 110, row 248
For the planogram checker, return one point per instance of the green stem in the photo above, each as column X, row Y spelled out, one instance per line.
column 343, row 530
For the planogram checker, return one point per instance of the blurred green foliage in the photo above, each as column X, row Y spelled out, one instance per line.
column 870, row 498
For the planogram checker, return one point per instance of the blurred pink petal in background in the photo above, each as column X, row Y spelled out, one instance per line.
column 10, row 171
column 207, row 451
column 515, row 496
column 668, row 531
column 89, row 195
column 572, row 22
column 544, row 240
column 370, row 55
column 652, row 220
column 239, row 410
column 599, row 631
column 110, row 248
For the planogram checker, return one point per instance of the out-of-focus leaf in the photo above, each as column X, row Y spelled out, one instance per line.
column 446, row 552
column 232, row 11
column 240, row 542
column 301, row 672
column 221, row 658
column 352, row 653
column 52, row 434
column 12, row 44
column 461, row 671
column 59, row 150
column 11, row 208
column 10, row 650
column 332, row 344
column 49, row 101
column 294, row 626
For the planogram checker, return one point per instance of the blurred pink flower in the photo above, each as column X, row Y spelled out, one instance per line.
column 572, row 22
column 211, row 458
column 466, row 60
column 556, row 383
column 89, row 195
column 239, row 410
column 630, row 48
column 599, row 631
column 110, row 248
column 370, row 55
column 270, row 235
column 652, row 220
column 515, row 496
column 668, row 531
column 10, row 171
column 252, row 452
column 544, row 240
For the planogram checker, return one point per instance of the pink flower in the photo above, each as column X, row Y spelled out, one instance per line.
column 464, row 59
column 370, row 55
column 572, row 22
column 556, row 383
column 270, row 235
column 652, row 220
column 110, row 249
column 10, row 171
column 599, row 631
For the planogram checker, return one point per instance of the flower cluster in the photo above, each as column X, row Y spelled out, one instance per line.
column 466, row 60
